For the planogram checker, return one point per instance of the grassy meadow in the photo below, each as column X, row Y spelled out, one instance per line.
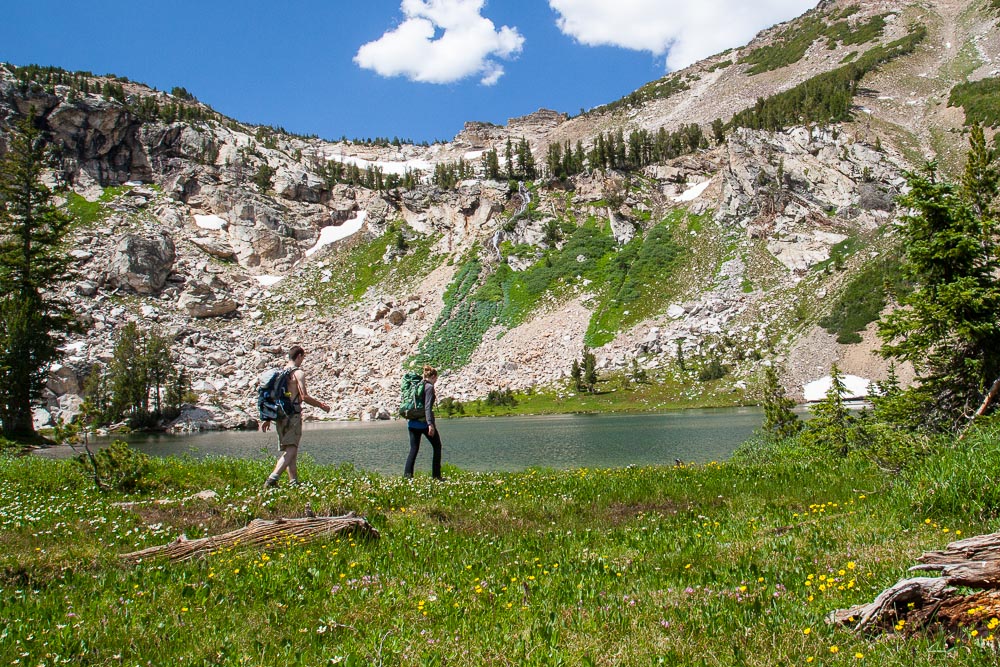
column 730, row 563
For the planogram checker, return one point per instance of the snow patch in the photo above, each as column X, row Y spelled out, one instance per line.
column 694, row 192
column 397, row 167
column 332, row 234
column 854, row 387
column 210, row 222
column 267, row 281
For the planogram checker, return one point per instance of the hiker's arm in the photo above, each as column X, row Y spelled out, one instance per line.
column 429, row 407
column 300, row 379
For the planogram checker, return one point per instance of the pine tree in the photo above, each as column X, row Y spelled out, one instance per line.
column 830, row 427
column 948, row 327
column 779, row 420
column 141, row 370
column 576, row 374
column 33, row 264
column 589, row 371
column 491, row 165
column 509, row 159
column 638, row 372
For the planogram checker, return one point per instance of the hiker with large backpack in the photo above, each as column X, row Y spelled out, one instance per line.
column 418, row 408
column 280, row 398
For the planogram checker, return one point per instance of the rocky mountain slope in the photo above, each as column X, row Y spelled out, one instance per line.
column 240, row 241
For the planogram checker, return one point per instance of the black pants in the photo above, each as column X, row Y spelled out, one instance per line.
column 411, row 460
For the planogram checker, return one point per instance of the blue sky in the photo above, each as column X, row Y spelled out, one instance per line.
column 416, row 69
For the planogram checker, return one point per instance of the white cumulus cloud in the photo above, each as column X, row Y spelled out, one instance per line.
column 442, row 41
column 685, row 30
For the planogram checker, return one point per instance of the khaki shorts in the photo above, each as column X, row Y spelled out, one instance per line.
column 289, row 431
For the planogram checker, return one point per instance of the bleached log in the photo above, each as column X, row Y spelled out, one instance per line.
column 920, row 591
column 970, row 563
column 259, row 532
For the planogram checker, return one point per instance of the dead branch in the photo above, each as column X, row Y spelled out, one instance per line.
column 259, row 532
column 991, row 398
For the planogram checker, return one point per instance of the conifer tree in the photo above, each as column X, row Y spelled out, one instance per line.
column 948, row 328
column 33, row 263
column 830, row 427
column 779, row 420
column 589, row 371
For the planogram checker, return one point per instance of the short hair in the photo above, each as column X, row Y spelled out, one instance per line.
column 295, row 351
column 429, row 372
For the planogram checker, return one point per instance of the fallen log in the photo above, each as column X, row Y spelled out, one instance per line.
column 258, row 532
column 923, row 601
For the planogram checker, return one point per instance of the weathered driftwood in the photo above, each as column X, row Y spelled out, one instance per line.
column 892, row 603
column 970, row 563
column 259, row 532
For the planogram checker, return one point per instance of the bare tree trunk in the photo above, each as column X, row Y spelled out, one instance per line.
column 990, row 399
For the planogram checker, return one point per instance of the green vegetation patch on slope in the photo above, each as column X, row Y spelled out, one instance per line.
column 826, row 97
column 629, row 284
column 863, row 299
column 792, row 44
column 474, row 303
column 85, row 212
column 463, row 322
column 980, row 100
column 347, row 275
column 584, row 256
column 638, row 282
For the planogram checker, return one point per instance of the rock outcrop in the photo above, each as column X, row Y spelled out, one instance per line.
column 226, row 237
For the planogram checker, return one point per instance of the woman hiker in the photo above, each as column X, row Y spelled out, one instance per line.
column 425, row 426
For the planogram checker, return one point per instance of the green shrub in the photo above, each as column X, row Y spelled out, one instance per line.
column 713, row 369
column 118, row 467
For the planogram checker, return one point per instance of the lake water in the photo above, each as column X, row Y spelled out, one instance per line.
column 495, row 444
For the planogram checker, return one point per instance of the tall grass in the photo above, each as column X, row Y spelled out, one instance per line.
column 732, row 563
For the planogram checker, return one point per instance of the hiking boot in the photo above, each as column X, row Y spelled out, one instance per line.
column 270, row 483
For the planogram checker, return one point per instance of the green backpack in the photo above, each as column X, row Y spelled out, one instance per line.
column 412, row 404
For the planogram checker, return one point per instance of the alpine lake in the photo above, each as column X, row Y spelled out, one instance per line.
column 514, row 443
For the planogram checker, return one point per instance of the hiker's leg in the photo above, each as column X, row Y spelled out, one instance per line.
column 282, row 463
column 291, row 456
column 436, row 460
column 414, row 448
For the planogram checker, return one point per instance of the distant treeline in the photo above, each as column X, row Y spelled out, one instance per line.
column 827, row 97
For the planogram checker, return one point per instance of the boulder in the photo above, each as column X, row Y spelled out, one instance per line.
column 142, row 264
column 62, row 380
column 70, row 406
column 42, row 418
column 86, row 288
column 197, row 418
column 200, row 300
column 215, row 248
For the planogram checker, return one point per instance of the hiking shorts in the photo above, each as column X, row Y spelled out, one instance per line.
column 289, row 431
